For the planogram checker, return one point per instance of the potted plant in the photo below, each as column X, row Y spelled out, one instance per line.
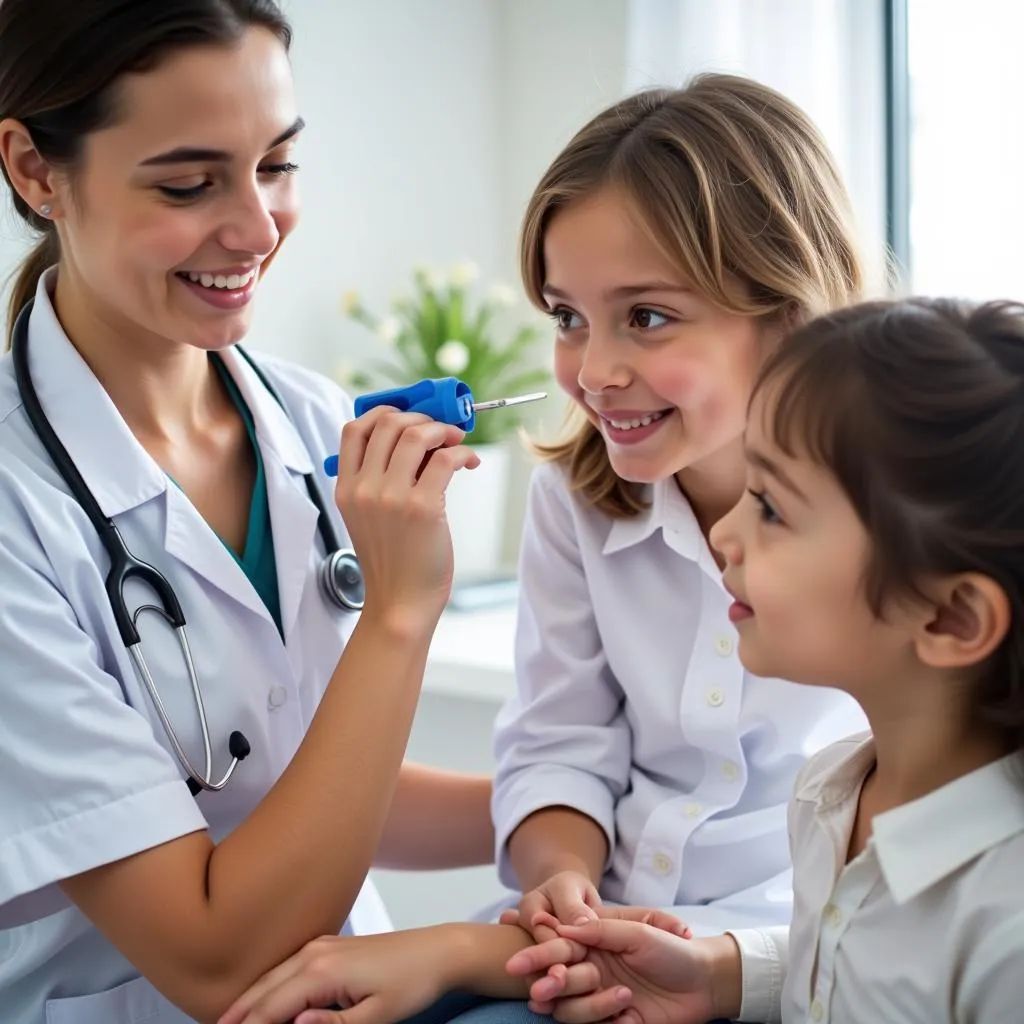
column 441, row 329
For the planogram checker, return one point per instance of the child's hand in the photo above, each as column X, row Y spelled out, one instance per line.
column 569, row 897
column 640, row 974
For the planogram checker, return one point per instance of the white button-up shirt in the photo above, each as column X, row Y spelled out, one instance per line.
column 924, row 926
column 632, row 707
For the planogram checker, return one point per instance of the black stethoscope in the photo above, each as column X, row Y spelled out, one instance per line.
column 340, row 577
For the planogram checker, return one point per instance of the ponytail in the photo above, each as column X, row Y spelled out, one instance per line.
column 44, row 254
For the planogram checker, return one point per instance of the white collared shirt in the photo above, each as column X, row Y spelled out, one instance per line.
column 633, row 708
column 87, row 774
column 924, row 926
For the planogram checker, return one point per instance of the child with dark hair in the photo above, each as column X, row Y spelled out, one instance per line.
column 879, row 549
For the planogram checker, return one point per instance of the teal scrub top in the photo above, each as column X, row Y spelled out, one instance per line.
column 257, row 561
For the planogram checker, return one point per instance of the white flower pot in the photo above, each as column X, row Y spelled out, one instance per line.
column 476, row 503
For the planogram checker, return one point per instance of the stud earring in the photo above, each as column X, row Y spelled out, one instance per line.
column 45, row 210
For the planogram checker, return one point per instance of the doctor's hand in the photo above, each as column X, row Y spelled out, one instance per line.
column 644, row 975
column 393, row 470
column 375, row 979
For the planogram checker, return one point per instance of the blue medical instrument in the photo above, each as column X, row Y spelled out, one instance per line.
column 340, row 577
column 445, row 399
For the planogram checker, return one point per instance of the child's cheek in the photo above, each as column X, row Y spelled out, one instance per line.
column 567, row 371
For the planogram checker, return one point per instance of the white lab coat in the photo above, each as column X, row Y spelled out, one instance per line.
column 87, row 775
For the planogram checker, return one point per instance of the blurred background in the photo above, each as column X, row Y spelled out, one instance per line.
column 428, row 127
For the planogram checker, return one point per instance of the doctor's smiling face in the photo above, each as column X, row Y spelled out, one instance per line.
column 173, row 211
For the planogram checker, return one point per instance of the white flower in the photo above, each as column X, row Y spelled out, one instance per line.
column 463, row 274
column 431, row 277
column 389, row 329
column 350, row 302
column 502, row 295
column 453, row 357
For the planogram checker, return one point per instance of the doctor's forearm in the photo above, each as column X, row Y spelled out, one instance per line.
column 438, row 819
column 314, row 835
column 557, row 839
column 204, row 922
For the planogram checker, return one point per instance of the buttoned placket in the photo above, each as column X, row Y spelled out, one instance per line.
column 854, row 884
column 709, row 712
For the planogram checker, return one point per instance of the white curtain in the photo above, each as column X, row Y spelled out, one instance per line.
column 826, row 55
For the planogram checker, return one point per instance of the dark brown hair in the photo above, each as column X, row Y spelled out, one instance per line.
column 917, row 408
column 736, row 187
column 61, row 60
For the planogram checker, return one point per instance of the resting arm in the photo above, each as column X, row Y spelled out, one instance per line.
column 563, row 746
column 203, row 922
column 438, row 819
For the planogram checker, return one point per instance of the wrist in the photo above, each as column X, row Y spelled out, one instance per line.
column 725, row 975
column 556, row 865
column 400, row 623
column 475, row 957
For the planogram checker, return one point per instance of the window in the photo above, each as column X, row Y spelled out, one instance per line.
column 957, row 137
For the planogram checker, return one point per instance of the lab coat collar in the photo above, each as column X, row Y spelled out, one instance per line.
column 274, row 429
column 927, row 840
column 94, row 432
column 117, row 469
column 668, row 511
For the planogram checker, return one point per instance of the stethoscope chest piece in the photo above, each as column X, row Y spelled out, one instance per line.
column 341, row 580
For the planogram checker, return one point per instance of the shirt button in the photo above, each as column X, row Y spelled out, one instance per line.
column 731, row 770
column 692, row 810
column 834, row 914
column 817, row 1010
column 277, row 696
column 723, row 645
column 716, row 698
column 662, row 863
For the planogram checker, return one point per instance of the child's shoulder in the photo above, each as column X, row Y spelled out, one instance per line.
column 831, row 763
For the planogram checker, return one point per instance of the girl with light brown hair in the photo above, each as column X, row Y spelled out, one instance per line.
column 673, row 242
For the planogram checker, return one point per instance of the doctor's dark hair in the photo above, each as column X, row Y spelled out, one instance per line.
column 60, row 63
column 916, row 407
column 737, row 188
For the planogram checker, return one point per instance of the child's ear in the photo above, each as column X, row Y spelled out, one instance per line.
column 966, row 619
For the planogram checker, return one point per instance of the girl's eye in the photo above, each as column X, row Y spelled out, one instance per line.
column 766, row 513
column 565, row 319
column 648, row 319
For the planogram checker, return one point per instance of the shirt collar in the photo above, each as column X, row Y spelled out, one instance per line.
column 669, row 511
column 925, row 841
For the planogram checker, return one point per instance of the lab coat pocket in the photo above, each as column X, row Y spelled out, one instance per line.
column 134, row 1002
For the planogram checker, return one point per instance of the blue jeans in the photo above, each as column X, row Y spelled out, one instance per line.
column 464, row 1008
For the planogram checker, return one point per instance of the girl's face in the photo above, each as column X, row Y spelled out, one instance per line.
column 180, row 204
column 795, row 554
column 663, row 373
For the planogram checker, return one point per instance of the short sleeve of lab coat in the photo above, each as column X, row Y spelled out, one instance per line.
column 83, row 781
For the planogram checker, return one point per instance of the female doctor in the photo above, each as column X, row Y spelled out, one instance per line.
column 150, row 144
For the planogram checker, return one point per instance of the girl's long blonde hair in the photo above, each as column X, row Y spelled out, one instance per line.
column 736, row 187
